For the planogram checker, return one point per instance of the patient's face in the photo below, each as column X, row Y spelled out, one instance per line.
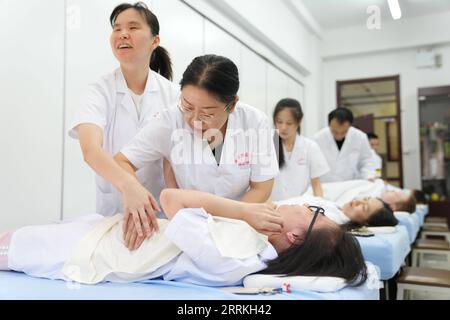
column 392, row 197
column 297, row 218
column 360, row 210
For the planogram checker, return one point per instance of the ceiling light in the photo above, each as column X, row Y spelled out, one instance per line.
column 394, row 6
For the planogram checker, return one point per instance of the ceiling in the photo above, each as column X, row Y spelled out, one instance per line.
column 331, row 14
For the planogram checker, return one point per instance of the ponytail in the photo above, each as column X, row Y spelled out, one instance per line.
column 278, row 142
column 161, row 63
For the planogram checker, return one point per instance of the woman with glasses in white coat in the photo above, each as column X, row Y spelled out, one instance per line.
column 300, row 159
column 212, row 142
column 121, row 103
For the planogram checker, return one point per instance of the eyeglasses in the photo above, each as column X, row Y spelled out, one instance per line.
column 203, row 117
column 316, row 214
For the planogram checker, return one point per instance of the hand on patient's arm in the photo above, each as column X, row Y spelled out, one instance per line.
column 317, row 187
column 259, row 192
column 139, row 204
column 260, row 216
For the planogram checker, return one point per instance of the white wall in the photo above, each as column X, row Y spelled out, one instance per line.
column 283, row 32
column 88, row 57
column 31, row 111
column 181, row 31
column 388, row 61
column 421, row 31
column 43, row 174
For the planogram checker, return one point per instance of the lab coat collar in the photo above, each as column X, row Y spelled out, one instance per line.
column 150, row 86
column 345, row 145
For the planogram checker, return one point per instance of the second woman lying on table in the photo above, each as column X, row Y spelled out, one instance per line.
column 370, row 211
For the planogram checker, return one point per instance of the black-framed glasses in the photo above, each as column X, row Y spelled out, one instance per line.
column 317, row 210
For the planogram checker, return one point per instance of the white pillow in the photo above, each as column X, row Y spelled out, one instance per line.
column 380, row 230
column 319, row 284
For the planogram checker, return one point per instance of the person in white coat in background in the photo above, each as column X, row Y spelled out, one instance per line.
column 212, row 142
column 121, row 103
column 346, row 148
column 377, row 161
column 300, row 159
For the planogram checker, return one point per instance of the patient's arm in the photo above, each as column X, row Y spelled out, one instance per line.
column 260, row 216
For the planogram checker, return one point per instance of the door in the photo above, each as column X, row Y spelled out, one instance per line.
column 375, row 104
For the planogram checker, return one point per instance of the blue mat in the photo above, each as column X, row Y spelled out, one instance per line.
column 422, row 211
column 15, row 285
column 387, row 251
column 411, row 222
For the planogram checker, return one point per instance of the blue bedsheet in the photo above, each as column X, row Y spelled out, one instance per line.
column 387, row 251
column 421, row 211
column 20, row 286
column 411, row 222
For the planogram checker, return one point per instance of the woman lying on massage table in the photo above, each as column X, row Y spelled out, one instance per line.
column 372, row 212
column 208, row 240
column 345, row 191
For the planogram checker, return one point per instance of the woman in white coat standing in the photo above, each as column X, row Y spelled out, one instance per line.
column 300, row 159
column 121, row 103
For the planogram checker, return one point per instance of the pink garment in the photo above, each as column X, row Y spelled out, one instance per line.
column 5, row 240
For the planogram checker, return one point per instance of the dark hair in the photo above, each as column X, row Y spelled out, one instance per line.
column 341, row 114
column 160, row 61
column 297, row 112
column 216, row 74
column 278, row 143
column 372, row 135
column 420, row 196
column 408, row 205
column 329, row 252
column 382, row 217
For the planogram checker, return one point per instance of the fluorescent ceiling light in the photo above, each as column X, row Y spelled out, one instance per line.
column 394, row 6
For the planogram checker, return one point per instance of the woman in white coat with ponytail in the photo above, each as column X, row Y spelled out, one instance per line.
column 300, row 160
column 121, row 103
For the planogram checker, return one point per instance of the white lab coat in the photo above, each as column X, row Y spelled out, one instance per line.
column 354, row 159
column 109, row 105
column 377, row 163
column 248, row 152
column 306, row 162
